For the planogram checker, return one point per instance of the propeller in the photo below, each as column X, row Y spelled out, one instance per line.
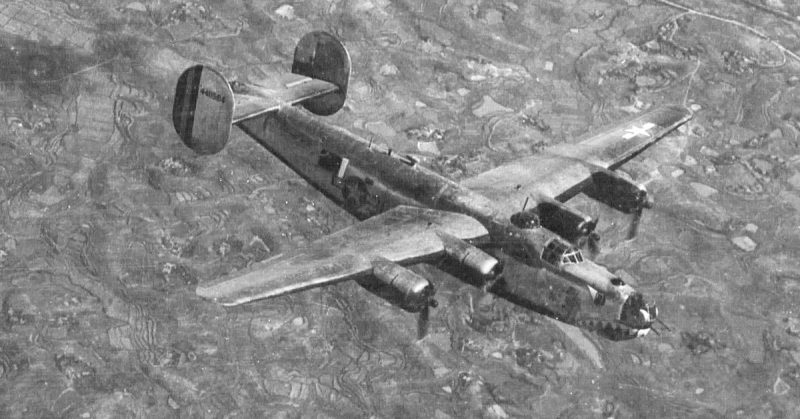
column 589, row 239
column 643, row 200
column 636, row 218
column 492, row 278
column 593, row 244
column 423, row 321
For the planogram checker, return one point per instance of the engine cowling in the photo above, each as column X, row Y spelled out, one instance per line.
column 567, row 222
column 471, row 257
column 618, row 192
column 400, row 286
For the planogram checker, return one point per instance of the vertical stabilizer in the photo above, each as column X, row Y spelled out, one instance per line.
column 203, row 109
column 320, row 55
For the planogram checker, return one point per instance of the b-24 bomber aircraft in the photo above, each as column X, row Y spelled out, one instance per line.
column 410, row 214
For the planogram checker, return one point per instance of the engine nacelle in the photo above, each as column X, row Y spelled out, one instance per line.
column 470, row 257
column 401, row 287
column 618, row 192
column 567, row 222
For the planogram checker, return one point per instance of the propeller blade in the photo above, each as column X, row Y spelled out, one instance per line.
column 590, row 241
column 593, row 244
column 422, row 322
column 424, row 316
column 635, row 220
column 489, row 283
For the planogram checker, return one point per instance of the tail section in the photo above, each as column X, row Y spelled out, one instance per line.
column 206, row 104
column 320, row 55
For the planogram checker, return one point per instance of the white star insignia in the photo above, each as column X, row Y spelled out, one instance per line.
column 637, row 131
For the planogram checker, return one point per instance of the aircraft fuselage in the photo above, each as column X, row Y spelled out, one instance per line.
column 367, row 178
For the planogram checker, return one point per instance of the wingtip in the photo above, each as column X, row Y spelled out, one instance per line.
column 209, row 293
column 226, row 302
column 204, row 291
column 688, row 112
column 685, row 110
column 677, row 108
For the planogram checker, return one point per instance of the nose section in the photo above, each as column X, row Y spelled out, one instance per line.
column 637, row 314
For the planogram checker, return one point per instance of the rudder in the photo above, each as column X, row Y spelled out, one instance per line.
column 202, row 111
column 321, row 56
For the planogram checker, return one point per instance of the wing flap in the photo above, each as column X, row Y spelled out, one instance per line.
column 402, row 235
column 254, row 99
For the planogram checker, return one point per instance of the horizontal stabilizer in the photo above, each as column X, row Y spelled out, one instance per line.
column 254, row 99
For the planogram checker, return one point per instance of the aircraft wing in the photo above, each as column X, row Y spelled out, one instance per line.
column 403, row 235
column 254, row 99
column 561, row 171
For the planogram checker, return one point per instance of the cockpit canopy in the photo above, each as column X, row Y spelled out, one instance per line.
column 558, row 252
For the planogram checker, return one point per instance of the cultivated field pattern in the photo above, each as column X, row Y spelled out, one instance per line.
column 108, row 222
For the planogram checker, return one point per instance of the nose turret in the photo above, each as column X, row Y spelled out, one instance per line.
column 637, row 314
